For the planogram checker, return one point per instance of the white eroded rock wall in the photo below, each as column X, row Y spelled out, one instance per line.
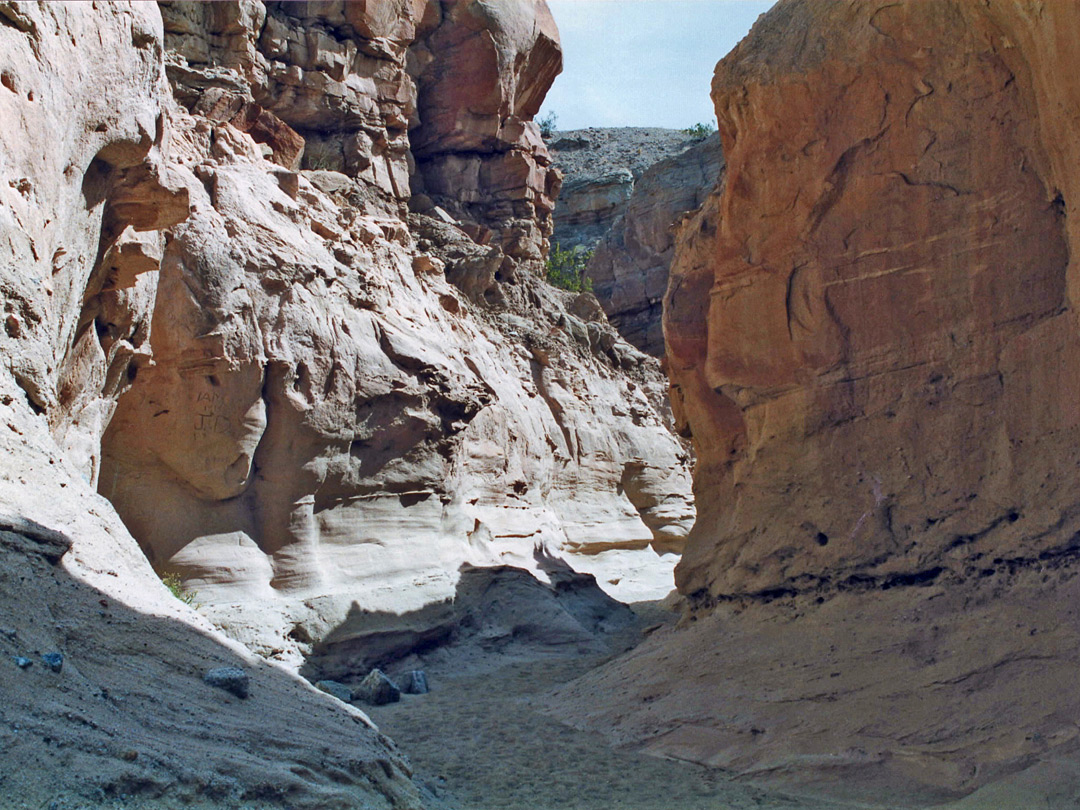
column 347, row 402
column 85, row 189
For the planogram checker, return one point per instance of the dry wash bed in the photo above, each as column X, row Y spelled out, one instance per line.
column 481, row 741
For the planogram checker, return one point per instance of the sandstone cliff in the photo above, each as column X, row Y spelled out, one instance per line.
column 624, row 190
column 600, row 168
column 346, row 405
column 125, row 716
column 872, row 339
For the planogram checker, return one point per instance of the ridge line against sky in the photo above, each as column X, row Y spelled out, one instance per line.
column 642, row 63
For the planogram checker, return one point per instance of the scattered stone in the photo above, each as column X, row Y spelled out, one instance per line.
column 414, row 682
column 53, row 660
column 337, row 689
column 130, row 755
column 22, row 662
column 377, row 689
column 231, row 679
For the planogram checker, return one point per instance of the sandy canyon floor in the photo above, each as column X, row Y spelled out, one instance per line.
column 483, row 739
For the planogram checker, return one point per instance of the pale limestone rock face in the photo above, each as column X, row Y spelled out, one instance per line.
column 325, row 427
column 345, row 405
column 87, row 180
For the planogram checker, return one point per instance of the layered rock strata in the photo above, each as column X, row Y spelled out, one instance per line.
column 871, row 335
column 87, row 182
column 629, row 269
column 323, row 402
column 601, row 167
column 304, row 400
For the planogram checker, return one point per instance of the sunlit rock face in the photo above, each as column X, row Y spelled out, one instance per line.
column 869, row 324
column 88, row 180
column 872, row 338
column 481, row 76
column 348, row 401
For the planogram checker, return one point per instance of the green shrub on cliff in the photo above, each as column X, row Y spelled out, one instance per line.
column 566, row 268
column 701, row 131
column 547, row 124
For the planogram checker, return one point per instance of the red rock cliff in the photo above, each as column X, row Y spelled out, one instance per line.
column 870, row 325
column 872, row 336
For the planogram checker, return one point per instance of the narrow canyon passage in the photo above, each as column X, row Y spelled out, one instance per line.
column 322, row 352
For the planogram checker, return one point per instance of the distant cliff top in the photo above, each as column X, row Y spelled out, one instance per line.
column 597, row 151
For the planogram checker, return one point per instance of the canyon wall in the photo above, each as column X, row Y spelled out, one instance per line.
column 870, row 325
column 872, row 339
column 348, row 401
column 629, row 270
column 274, row 323
column 623, row 192
column 308, row 354
column 87, row 181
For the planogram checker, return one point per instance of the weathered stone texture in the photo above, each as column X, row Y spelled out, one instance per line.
column 89, row 175
column 872, row 338
column 629, row 269
column 304, row 400
column 869, row 326
column 346, row 403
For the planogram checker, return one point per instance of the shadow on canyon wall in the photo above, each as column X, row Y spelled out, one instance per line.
column 498, row 614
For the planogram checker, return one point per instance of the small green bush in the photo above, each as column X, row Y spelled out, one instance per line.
column 700, row 131
column 547, row 124
column 176, row 588
column 566, row 268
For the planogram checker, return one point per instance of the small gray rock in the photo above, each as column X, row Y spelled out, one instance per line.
column 338, row 690
column 377, row 689
column 53, row 660
column 414, row 682
column 22, row 662
column 231, row 679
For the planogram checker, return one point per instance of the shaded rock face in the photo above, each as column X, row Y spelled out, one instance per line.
column 869, row 325
column 589, row 207
column 498, row 614
column 629, row 269
column 601, row 168
column 219, row 313
column 347, row 402
column 872, row 339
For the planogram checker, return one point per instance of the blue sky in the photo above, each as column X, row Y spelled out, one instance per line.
column 642, row 63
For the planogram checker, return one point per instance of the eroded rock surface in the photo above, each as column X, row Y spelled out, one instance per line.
column 86, row 182
column 300, row 396
column 346, row 404
column 871, row 334
column 869, row 325
column 601, row 167
column 629, row 270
